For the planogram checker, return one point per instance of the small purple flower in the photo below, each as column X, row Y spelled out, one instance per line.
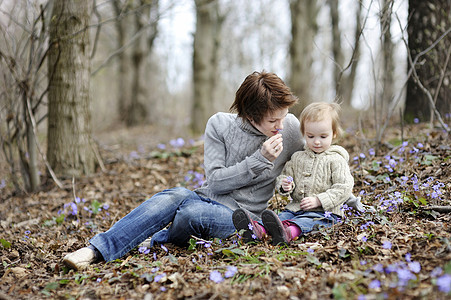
column 416, row 120
column 363, row 262
column 387, row 245
column 415, row 267
column 408, row 257
column 372, row 152
column 161, row 146
column 378, row 268
column 310, row 250
column 436, row 272
column 74, row 208
column 231, row 271
column 164, row 248
column 327, row 214
column 99, row 280
column 177, row 143
column 375, row 284
column 362, row 155
column 364, row 239
column 250, row 226
column 134, row 155
column 159, row 277
column 216, row 277
column 444, row 283
column 289, row 179
column 143, row 250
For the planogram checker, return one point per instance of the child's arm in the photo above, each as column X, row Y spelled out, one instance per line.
column 310, row 203
column 341, row 188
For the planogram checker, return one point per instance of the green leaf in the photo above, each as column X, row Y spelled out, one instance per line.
column 52, row 286
column 192, row 244
column 423, row 201
column 428, row 159
column 64, row 281
column 313, row 259
column 5, row 243
column 447, row 267
column 339, row 292
column 60, row 219
column 95, row 205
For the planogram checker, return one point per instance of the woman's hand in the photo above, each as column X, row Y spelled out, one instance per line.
column 310, row 203
column 272, row 148
column 287, row 184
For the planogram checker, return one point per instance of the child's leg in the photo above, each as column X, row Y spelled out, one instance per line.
column 309, row 221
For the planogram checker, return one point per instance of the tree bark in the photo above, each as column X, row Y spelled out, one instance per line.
column 387, row 55
column 69, row 148
column 428, row 22
column 205, row 60
column 344, row 81
column 303, row 30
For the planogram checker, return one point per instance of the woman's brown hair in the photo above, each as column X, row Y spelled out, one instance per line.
column 261, row 93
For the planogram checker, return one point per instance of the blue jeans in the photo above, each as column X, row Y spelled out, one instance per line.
column 189, row 213
column 308, row 220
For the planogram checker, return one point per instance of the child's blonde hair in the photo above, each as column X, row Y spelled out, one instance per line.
column 318, row 111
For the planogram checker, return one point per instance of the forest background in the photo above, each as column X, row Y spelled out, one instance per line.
column 91, row 88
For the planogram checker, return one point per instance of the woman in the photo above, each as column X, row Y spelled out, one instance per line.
column 243, row 155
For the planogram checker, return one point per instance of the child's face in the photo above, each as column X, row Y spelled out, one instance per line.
column 318, row 134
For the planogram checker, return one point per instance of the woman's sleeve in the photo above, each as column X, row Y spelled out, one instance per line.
column 222, row 179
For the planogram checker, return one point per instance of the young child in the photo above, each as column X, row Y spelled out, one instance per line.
column 318, row 179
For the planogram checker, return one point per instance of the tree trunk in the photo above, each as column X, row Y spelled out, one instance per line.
column 205, row 59
column 123, row 61
column 428, row 21
column 388, row 67
column 344, row 81
column 69, row 151
column 137, row 111
column 303, row 30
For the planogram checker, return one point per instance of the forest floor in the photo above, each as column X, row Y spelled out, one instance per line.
column 401, row 251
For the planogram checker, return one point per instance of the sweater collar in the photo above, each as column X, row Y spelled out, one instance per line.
column 246, row 126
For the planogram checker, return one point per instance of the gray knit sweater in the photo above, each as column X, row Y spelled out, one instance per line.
column 237, row 174
column 325, row 175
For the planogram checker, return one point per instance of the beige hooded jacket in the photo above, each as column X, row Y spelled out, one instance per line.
column 325, row 175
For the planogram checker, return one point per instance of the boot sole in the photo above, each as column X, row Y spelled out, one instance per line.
column 241, row 220
column 275, row 228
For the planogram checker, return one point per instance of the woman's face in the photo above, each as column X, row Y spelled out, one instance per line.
column 272, row 123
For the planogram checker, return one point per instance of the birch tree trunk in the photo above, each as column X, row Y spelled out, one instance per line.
column 303, row 30
column 205, row 61
column 69, row 151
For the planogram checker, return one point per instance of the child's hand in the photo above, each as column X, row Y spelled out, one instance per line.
column 287, row 184
column 310, row 203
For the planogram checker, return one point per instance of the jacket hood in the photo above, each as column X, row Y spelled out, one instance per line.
column 333, row 149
